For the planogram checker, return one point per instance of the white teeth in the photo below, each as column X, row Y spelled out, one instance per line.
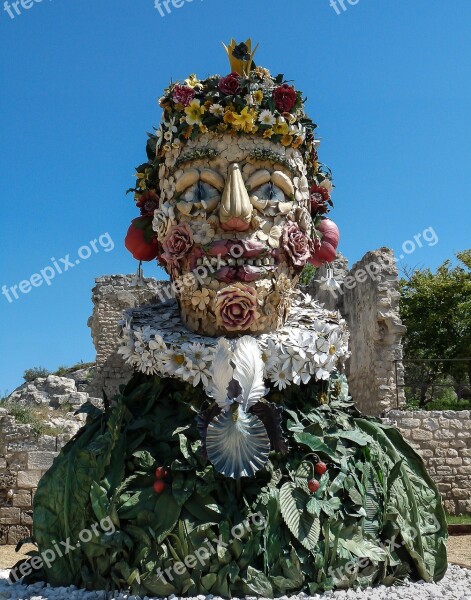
column 272, row 261
column 266, row 261
column 231, row 261
column 240, row 261
column 250, row 262
column 258, row 262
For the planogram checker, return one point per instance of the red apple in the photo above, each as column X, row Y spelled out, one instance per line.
column 330, row 232
column 137, row 240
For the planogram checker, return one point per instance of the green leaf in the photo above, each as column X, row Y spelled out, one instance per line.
column 100, row 502
column 258, row 583
column 315, row 444
column 304, row 526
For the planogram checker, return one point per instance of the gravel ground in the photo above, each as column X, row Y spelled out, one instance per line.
column 455, row 586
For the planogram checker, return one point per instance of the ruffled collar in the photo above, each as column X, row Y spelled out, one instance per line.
column 312, row 344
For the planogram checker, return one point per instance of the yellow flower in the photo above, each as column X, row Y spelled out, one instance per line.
column 258, row 97
column 297, row 142
column 281, row 127
column 268, row 133
column 229, row 116
column 194, row 112
column 222, row 128
column 204, row 129
column 246, row 120
column 287, row 140
column 193, row 81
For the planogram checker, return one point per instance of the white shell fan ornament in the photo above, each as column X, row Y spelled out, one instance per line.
column 237, row 442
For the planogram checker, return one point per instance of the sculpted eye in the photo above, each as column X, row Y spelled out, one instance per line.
column 269, row 191
column 200, row 192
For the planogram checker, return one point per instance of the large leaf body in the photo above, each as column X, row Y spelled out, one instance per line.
column 376, row 507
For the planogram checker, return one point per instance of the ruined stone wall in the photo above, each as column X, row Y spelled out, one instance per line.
column 111, row 295
column 24, row 458
column 369, row 301
column 443, row 439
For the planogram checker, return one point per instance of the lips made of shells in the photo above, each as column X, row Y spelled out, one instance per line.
column 235, row 260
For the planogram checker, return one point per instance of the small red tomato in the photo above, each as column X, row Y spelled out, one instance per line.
column 159, row 486
column 320, row 468
column 313, row 485
column 161, row 473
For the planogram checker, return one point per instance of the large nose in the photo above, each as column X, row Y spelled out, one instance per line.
column 235, row 212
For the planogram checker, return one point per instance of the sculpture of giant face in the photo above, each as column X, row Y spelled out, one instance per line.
column 235, row 231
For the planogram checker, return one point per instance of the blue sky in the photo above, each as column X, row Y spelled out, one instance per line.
column 388, row 82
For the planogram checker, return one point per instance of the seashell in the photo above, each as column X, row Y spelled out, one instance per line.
column 237, row 444
column 236, row 209
column 212, row 178
column 257, row 179
column 258, row 204
column 189, row 178
column 211, row 203
column 285, row 207
column 185, row 207
column 282, row 180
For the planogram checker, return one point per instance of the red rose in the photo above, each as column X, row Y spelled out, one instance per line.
column 230, row 85
column 183, row 94
column 147, row 203
column 178, row 243
column 236, row 307
column 285, row 98
column 320, row 198
column 296, row 244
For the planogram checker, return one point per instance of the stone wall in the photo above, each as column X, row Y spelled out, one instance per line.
column 111, row 295
column 443, row 439
column 24, row 458
column 369, row 301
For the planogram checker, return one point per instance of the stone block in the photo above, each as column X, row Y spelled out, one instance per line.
column 22, row 499
column 9, row 515
column 26, row 518
column 28, row 479
column 18, row 533
column 419, row 435
column 41, row 460
column 464, row 470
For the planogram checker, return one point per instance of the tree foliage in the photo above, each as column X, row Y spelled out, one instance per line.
column 436, row 308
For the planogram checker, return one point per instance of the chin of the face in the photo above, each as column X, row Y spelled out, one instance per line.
column 237, row 307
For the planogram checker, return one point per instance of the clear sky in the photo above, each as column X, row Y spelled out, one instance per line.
column 388, row 82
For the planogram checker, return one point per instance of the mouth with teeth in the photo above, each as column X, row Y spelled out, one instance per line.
column 234, row 260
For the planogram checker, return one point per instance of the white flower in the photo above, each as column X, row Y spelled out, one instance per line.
column 280, row 378
column 173, row 361
column 164, row 218
column 266, row 117
column 168, row 136
column 172, row 128
column 159, row 134
column 327, row 184
column 203, row 233
column 217, row 110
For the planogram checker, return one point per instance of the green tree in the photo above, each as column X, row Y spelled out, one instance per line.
column 436, row 308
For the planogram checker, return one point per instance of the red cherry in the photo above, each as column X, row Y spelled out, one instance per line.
column 161, row 473
column 320, row 468
column 159, row 486
column 313, row 485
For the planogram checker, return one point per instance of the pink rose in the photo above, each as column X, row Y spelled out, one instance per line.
column 178, row 243
column 183, row 94
column 296, row 244
column 285, row 98
column 236, row 307
column 230, row 85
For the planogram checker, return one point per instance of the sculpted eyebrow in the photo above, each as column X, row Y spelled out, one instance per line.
column 196, row 155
